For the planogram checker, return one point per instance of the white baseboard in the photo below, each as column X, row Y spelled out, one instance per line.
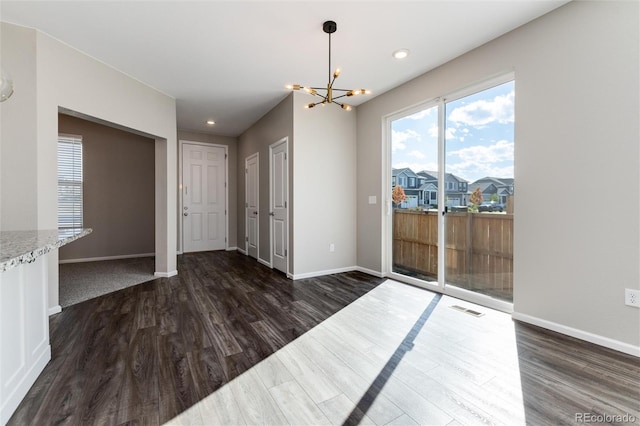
column 377, row 274
column 265, row 263
column 165, row 274
column 55, row 310
column 98, row 259
column 325, row 272
column 232, row 248
column 243, row 251
column 579, row 334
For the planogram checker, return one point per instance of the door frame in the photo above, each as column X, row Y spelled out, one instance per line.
column 180, row 206
column 284, row 140
column 246, row 220
column 387, row 222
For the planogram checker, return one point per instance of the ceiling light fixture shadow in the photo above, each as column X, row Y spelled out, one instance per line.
column 328, row 97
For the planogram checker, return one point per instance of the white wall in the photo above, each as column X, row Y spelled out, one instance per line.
column 69, row 79
column 576, row 148
column 18, row 170
column 324, row 157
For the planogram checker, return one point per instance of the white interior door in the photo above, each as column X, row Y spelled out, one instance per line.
column 251, row 205
column 278, row 204
column 204, row 197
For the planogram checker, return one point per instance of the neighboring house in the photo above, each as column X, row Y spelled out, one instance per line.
column 455, row 188
column 502, row 187
column 421, row 188
column 411, row 184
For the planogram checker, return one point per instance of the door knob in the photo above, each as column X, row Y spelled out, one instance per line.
column 255, row 212
column 185, row 214
column 271, row 214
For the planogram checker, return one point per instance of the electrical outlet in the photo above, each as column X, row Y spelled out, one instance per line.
column 332, row 247
column 632, row 297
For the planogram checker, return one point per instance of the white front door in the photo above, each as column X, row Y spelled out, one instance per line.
column 278, row 205
column 204, row 197
column 251, row 205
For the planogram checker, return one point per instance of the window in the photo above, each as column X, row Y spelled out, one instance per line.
column 412, row 182
column 402, row 181
column 69, row 181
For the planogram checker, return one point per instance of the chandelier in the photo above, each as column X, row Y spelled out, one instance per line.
column 328, row 93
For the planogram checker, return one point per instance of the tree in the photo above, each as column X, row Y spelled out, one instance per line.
column 398, row 195
column 475, row 199
column 494, row 198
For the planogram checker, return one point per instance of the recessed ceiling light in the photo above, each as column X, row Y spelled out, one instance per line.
column 401, row 53
column 211, row 122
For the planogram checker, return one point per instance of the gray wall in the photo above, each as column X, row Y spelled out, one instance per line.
column 118, row 191
column 322, row 184
column 273, row 126
column 232, row 161
column 325, row 188
column 577, row 108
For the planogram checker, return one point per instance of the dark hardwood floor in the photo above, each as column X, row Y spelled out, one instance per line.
column 147, row 353
column 229, row 341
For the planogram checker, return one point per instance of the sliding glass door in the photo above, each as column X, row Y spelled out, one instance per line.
column 452, row 186
column 414, row 194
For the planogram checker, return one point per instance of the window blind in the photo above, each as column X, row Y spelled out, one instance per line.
column 69, row 181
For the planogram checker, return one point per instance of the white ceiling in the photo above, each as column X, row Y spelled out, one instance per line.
column 229, row 60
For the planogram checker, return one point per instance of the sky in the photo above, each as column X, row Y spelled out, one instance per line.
column 478, row 142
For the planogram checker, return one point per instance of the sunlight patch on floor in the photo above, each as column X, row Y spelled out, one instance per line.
column 453, row 366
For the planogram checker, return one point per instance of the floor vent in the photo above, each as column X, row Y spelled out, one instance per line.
column 467, row 311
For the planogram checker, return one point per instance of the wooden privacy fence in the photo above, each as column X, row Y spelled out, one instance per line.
column 479, row 248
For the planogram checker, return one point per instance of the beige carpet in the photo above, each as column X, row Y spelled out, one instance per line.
column 86, row 280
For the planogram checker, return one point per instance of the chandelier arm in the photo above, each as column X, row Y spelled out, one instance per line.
column 329, row 27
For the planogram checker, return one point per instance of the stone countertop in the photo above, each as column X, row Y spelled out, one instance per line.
column 18, row 247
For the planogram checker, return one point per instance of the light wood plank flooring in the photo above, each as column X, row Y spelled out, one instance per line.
column 231, row 342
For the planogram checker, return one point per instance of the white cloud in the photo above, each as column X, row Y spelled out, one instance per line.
column 483, row 112
column 500, row 151
column 417, row 154
column 399, row 138
column 450, row 133
column 480, row 161
column 416, row 166
column 421, row 114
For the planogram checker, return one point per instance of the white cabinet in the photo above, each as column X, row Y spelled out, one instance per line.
column 24, row 331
